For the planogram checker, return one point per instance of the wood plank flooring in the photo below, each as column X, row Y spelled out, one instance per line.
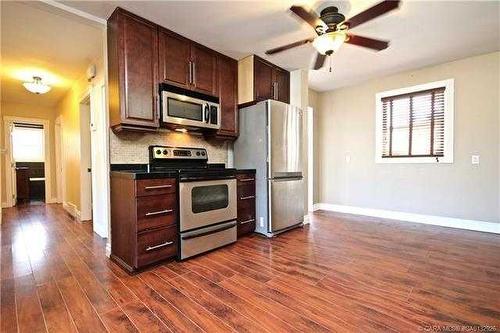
column 341, row 273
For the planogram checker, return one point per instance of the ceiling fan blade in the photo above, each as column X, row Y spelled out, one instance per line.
column 289, row 46
column 375, row 44
column 371, row 13
column 309, row 16
column 320, row 61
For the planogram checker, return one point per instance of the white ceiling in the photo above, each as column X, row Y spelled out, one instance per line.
column 422, row 33
column 37, row 39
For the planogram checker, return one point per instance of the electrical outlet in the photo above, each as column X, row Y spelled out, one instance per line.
column 475, row 159
column 261, row 222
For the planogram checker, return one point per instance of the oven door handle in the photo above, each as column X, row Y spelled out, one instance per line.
column 209, row 232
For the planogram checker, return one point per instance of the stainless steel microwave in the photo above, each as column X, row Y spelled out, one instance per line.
column 188, row 109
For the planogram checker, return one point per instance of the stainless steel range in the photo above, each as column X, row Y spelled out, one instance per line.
column 207, row 198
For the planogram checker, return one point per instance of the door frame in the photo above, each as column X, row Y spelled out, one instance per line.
column 10, row 174
column 58, row 144
column 310, row 159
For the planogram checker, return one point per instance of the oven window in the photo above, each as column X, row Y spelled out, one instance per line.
column 206, row 198
column 184, row 109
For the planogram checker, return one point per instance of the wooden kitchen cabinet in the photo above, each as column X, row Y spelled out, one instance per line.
column 259, row 80
column 228, row 96
column 246, row 202
column 132, row 72
column 175, row 59
column 143, row 220
column 186, row 64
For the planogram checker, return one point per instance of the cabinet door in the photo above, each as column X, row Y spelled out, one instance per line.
column 204, row 67
column 263, row 80
column 282, row 82
column 228, row 90
column 174, row 59
column 140, row 71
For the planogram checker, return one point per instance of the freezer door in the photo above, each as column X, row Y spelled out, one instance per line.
column 286, row 203
column 285, row 140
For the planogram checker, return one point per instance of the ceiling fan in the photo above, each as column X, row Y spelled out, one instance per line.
column 333, row 30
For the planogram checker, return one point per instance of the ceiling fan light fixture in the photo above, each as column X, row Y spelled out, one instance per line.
column 37, row 86
column 330, row 42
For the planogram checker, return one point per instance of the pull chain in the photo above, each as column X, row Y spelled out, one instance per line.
column 330, row 59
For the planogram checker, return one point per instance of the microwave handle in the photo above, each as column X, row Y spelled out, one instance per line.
column 206, row 113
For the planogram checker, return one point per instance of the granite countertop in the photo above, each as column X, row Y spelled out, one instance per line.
column 245, row 170
column 143, row 174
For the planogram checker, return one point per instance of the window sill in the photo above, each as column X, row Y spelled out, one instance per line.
column 413, row 160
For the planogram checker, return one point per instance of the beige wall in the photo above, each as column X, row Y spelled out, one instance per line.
column 346, row 125
column 314, row 104
column 30, row 111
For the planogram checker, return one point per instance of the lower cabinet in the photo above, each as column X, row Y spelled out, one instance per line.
column 143, row 220
column 246, row 202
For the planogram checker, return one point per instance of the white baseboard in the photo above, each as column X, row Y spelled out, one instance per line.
column 5, row 205
column 52, row 200
column 72, row 210
column 443, row 221
column 306, row 220
column 108, row 248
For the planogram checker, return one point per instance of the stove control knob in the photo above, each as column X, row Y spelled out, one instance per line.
column 197, row 153
column 202, row 153
column 165, row 152
column 158, row 152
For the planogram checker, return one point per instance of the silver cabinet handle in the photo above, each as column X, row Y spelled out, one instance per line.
column 151, row 248
column 190, row 72
column 248, row 197
column 247, row 221
column 194, row 73
column 165, row 211
column 246, row 179
column 157, row 187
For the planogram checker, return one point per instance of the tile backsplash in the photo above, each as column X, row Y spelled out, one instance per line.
column 129, row 147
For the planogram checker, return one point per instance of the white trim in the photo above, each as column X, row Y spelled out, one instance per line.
column 58, row 155
column 9, row 174
column 108, row 249
column 75, row 11
column 84, row 110
column 307, row 220
column 5, row 205
column 448, row 122
column 71, row 209
column 443, row 221
column 310, row 158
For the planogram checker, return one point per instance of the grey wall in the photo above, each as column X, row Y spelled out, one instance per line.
column 346, row 126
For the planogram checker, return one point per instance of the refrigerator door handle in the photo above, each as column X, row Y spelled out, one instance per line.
column 285, row 179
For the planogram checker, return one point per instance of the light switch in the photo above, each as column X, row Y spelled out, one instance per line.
column 475, row 159
column 348, row 158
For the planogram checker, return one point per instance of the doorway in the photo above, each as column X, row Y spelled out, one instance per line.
column 310, row 159
column 27, row 164
column 85, row 160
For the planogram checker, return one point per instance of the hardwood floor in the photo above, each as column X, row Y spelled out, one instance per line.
column 341, row 273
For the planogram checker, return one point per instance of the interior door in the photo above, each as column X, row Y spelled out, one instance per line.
column 174, row 59
column 204, row 68
column 285, row 126
column 287, row 203
column 12, row 167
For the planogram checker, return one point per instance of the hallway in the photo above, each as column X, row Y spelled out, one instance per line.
column 341, row 273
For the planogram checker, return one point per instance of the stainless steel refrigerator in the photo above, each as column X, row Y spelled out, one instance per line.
column 270, row 141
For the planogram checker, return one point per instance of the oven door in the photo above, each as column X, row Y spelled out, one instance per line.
column 188, row 111
column 206, row 202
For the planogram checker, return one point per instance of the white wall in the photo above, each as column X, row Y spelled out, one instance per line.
column 346, row 126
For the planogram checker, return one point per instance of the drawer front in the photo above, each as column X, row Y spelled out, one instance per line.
column 246, row 192
column 156, row 211
column 246, row 227
column 155, row 186
column 244, row 179
column 246, row 210
column 156, row 245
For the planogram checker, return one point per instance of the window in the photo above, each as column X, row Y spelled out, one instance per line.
column 27, row 143
column 415, row 124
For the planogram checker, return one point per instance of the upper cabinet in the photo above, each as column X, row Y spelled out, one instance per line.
column 142, row 55
column 259, row 80
column 187, row 64
column 228, row 96
column 132, row 72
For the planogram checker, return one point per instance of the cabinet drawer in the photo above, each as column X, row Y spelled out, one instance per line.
column 155, row 186
column 246, row 192
column 246, row 210
column 244, row 179
column 156, row 245
column 156, row 211
column 246, row 226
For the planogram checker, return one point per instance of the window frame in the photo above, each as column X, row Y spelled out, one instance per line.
column 448, row 122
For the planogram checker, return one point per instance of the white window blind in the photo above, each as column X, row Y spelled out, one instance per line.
column 413, row 124
column 28, row 143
